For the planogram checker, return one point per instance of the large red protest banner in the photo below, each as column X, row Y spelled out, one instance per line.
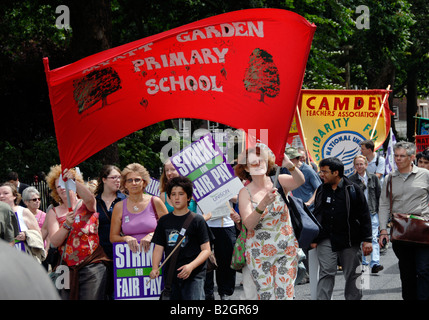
column 243, row 69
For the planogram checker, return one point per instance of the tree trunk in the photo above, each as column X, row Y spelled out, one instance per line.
column 411, row 103
column 91, row 24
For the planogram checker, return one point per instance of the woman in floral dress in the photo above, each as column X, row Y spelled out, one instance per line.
column 271, row 246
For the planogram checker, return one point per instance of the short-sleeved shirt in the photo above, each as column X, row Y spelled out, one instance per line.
column 312, row 182
column 410, row 194
column 377, row 167
column 167, row 233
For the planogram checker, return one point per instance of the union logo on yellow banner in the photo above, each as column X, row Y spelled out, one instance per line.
column 334, row 122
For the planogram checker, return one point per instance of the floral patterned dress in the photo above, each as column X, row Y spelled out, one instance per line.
column 271, row 253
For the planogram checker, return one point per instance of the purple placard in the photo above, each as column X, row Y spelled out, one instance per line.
column 212, row 176
column 131, row 274
column 20, row 245
column 153, row 188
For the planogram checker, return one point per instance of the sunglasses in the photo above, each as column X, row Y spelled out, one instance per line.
column 136, row 180
column 35, row 199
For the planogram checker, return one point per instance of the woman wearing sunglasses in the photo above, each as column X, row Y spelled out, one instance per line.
column 134, row 219
column 31, row 198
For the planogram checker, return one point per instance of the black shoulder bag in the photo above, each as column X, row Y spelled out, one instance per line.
column 305, row 226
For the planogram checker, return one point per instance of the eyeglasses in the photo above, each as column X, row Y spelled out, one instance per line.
column 325, row 171
column 35, row 199
column 114, row 177
column 136, row 180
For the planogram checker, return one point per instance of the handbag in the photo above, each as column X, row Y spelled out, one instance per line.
column 238, row 260
column 211, row 262
column 407, row 227
column 166, row 292
column 305, row 226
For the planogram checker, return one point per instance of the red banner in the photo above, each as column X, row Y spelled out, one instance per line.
column 422, row 142
column 243, row 69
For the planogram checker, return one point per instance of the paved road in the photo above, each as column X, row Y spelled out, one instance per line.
column 384, row 285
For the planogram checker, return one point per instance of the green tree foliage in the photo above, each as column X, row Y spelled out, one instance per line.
column 394, row 50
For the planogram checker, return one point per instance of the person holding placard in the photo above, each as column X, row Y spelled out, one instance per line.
column 271, row 245
column 134, row 219
column 190, row 269
column 224, row 232
column 169, row 172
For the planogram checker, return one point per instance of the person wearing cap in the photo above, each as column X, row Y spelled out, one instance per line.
column 306, row 191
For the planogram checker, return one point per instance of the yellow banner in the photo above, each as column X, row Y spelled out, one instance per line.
column 336, row 121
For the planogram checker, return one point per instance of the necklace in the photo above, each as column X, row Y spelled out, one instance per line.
column 135, row 207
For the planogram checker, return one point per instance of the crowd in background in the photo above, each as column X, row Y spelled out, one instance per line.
column 77, row 230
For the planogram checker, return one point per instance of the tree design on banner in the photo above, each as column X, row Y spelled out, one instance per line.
column 262, row 75
column 95, row 87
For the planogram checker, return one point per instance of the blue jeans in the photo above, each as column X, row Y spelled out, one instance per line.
column 189, row 289
column 375, row 254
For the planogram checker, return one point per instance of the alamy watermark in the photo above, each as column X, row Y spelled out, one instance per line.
column 362, row 22
column 231, row 141
column 363, row 281
column 63, row 20
column 62, row 281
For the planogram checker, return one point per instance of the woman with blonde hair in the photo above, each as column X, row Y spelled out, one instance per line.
column 76, row 233
column 134, row 219
column 271, row 246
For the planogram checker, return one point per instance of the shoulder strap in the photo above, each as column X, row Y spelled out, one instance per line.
column 279, row 189
column 188, row 221
column 102, row 205
column 154, row 208
column 352, row 192
column 389, row 186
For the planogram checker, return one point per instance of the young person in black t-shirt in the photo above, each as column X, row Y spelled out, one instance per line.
column 190, row 269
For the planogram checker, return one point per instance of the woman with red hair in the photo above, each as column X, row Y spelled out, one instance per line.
column 271, row 246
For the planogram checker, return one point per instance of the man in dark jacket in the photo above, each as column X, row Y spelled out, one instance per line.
column 370, row 184
column 342, row 210
column 12, row 177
